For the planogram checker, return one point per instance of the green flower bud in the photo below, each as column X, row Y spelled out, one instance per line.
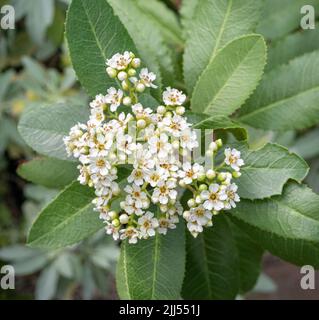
column 131, row 72
column 140, row 87
column 127, row 101
column 202, row 187
column 122, row 75
column 111, row 72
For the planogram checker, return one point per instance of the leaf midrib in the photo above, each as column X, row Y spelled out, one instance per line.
column 210, row 104
column 294, row 211
column 60, row 225
column 274, row 104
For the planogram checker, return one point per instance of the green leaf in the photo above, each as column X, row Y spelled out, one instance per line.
column 68, row 219
column 214, row 24
column 152, row 268
column 287, row 98
column 250, row 255
column 94, row 35
column 201, row 121
column 291, row 47
column 231, row 77
column 142, row 28
column 187, row 11
column 43, row 127
column 47, row 283
column 307, row 145
column 164, row 18
column 212, row 264
column 281, row 17
column 48, row 172
column 266, row 170
column 287, row 225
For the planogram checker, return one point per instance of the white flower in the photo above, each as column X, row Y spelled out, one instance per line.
column 188, row 139
column 232, row 158
column 168, row 166
column 232, row 196
column 155, row 177
column 139, row 196
column 174, row 125
column 129, row 233
column 123, row 120
column 148, row 224
column 99, row 165
column 98, row 102
column 137, row 176
column 129, row 205
column 160, row 145
column 165, row 191
column 140, row 112
column 75, row 141
column 114, row 98
column 97, row 116
column 214, row 197
column 194, row 227
column 173, row 97
column 84, row 176
column 125, row 144
column 190, row 172
column 144, row 160
column 147, row 78
column 120, row 61
column 165, row 224
column 200, row 214
column 111, row 230
column 101, row 144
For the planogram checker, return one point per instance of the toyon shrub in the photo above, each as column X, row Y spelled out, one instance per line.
column 171, row 175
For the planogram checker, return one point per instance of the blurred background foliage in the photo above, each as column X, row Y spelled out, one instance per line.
column 35, row 69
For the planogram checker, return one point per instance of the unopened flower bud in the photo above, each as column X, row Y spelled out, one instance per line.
column 198, row 199
column 180, row 110
column 163, row 207
column 213, row 146
column 182, row 183
column 140, row 87
column 210, row 174
column 122, row 75
column 202, row 187
column 111, row 72
column 131, row 72
column 209, row 223
column 236, row 174
column 161, row 109
column 122, row 204
column 124, row 218
column 116, row 223
column 186, row 215
column 141, row 124
column 175, row 144
column 222, row 176
column 112, row 156
column 125, row 85
column 219, row 143
column 191, row 203
column 113, row 215
column 168, row 114
column 201, row 177
column 116, row 190
column 127, row 101
column 136, row 62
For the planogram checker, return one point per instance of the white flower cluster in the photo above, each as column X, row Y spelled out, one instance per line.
column 150, row 201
